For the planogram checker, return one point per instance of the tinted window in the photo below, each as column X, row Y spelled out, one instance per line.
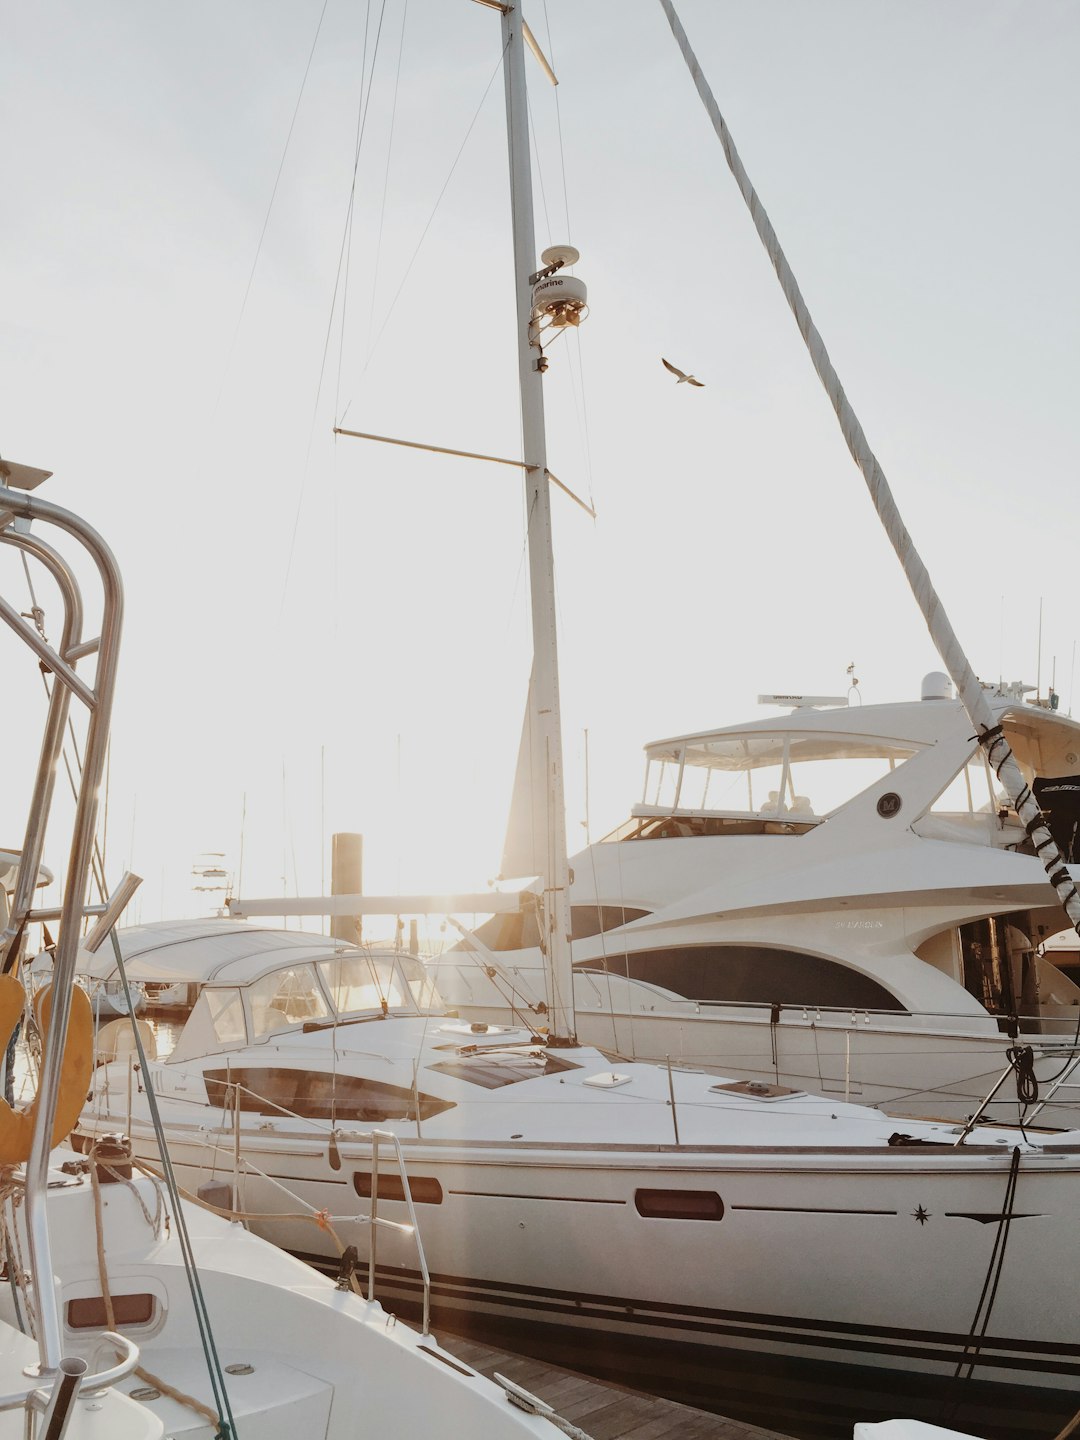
column 286, row 997
column 89, row 1313
column 679, row 1204
column 751, row 974
column 586, row 920
column 520, row 931
column 423, row 1189
column 503, row 1067
column 362, row 982
column 317, row 1095
column 227, row 1016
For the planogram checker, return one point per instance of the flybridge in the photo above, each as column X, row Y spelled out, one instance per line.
column 804, row 702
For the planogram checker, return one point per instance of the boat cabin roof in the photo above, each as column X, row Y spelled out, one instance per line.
column 203, row 951
column 1046, row 741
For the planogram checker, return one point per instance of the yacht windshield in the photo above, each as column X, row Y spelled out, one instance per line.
column 770, row 773
column 376, row 982
column 286, row 997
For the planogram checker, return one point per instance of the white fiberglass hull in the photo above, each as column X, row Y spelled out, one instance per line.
column 299, row 1356
column 835, row 1258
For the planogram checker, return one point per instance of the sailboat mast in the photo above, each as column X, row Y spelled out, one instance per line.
column 546, row 725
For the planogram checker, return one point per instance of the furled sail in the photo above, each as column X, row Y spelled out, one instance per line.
column 944, row 637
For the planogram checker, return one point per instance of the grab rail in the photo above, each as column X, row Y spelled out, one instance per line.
column 376, row 1220
column 233, row 1090
column 39, row 1396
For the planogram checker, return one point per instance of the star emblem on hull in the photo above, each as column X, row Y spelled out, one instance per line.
column 921, row 1214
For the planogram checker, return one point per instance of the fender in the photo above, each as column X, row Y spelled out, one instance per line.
column 17, row 1126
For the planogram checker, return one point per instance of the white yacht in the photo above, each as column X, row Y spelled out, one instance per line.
column 680, row 1222
column 839, row 896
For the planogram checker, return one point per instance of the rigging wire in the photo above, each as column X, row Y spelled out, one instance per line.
column 341, row 267
column 979, row 1325
column 215, row 1371
column 539, row 166
column 431, row 217
column 361, row 125
column 386, row 173
column 269, row 208
column 558, row 126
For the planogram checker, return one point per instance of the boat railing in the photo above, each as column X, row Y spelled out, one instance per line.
column 241, row 1164
column 1020, row 1059
column 965, row 1024
column 375, row 1219
column 31, row 525
column 69, row 1380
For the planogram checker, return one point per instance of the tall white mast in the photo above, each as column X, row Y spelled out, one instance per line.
column 546, row 726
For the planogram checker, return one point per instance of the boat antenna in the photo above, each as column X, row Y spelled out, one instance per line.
column 989, row 731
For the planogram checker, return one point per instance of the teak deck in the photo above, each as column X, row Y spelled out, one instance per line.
column 604, row 1411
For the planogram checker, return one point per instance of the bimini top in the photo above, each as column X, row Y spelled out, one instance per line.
column 799, row 768
column 1044, row 740
column 199, row 951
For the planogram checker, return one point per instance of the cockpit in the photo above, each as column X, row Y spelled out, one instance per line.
column 787, row 776
column 754, row 782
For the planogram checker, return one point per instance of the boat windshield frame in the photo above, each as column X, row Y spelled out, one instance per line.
column 408, row 988
column 744, row 752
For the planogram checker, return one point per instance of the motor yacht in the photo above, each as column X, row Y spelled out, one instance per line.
column 838, row 897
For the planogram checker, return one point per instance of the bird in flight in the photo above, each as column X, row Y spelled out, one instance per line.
column 681, row 377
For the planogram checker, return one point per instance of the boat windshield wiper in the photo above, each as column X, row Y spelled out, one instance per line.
column 312, row 1025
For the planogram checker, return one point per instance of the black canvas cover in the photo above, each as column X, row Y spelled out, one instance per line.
column 1059, row 799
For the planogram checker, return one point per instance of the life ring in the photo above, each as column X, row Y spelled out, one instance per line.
column 17, row 1126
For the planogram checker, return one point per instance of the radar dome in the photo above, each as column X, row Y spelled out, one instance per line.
column 937, row 686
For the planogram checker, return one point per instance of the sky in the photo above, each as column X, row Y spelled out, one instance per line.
column 325, row 634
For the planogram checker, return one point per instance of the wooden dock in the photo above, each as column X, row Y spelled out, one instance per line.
column 603, row 1410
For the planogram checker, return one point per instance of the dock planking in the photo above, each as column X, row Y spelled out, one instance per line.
column 603, row 1410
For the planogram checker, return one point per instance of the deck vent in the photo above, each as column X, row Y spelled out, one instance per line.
column 607, row 1080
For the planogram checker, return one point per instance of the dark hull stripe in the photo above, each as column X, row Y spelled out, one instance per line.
column 813, row 1210
column 562, row 1199
column 942, row 1348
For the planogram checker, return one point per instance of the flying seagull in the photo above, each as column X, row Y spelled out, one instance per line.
column 682, row 378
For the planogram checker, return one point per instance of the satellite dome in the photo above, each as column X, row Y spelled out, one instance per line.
column 937, row 686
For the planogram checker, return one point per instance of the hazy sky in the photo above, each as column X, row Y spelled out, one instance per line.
column 335, row 635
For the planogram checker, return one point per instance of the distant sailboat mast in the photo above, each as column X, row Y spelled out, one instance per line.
column 543, row 727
